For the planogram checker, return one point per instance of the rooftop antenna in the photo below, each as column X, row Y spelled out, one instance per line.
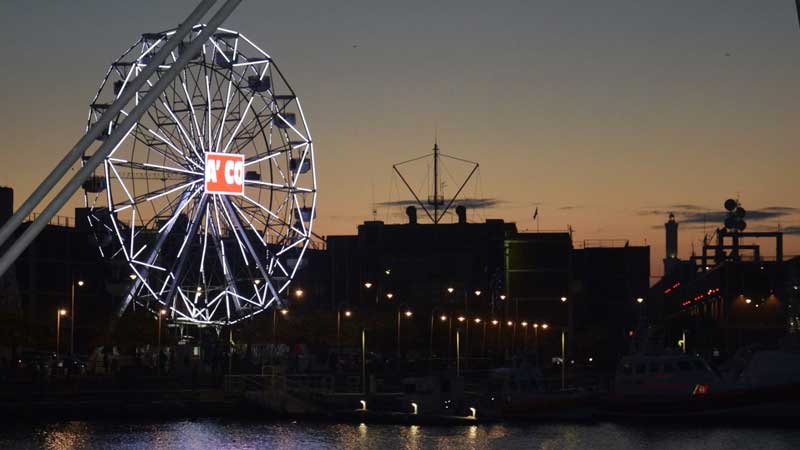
column 374, row 207
column 437, row 201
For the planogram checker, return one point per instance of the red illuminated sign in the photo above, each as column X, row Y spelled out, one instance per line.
column 224, row 174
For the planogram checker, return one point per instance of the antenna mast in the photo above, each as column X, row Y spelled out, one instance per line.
column 437, row 200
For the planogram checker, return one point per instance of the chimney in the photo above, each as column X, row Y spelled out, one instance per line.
column 6, row 204
column 411, row 212
column 461, row 212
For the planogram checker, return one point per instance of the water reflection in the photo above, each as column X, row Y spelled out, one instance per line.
column 213, row 434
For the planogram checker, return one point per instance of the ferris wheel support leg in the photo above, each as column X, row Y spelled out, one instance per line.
column 114, row 138
column 250, row 249
column 229, row 280
column 179, row 266
column 94, row 131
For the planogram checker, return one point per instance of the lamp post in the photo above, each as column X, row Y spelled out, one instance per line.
column 283, row 312
column 570, row 326
column 368, row 285
column 478, row 321
column 408, row 313
column 563, row 362
column 524, row 336
column 80, row 283
column 536, row 342
column 59, row 314
column 364, row 361
column 458, row 353
column 466, row 312
column 161, row 313
column 513, row 326
column 640, row 302
column 347, row 314
column 495, row 323
column 442, row 318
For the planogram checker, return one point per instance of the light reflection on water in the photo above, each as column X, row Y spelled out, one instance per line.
column 242, row 435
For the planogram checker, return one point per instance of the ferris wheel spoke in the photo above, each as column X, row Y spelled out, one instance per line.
column 190, row 100
column 274, row 186
column 253, row 254
column 221, row 128
column 252, row 227
column 196, row 134
column 261, row 158
column 153, row 167
column 236, row 130
column 270, row 213
column 169, row 144
column 182, row 133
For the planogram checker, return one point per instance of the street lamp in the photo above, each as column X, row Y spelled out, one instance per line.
column 367, row 285
column 132, row 276
column 389, row 295
column 563, row 361
column 478, row 321
column 524, row 336
column 161, row 313
column 513, row 326
column 442, row 318
column 298, row 293
column 80, row 283
column 477, row 292
column 59, row 314
column 408, row 313
column 502, row 296
column 642, row 315
column 347, row 314
column 495, row 323
column 450, row 290
column 563, row 299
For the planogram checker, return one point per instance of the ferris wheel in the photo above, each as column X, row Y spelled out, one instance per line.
column 210, row 198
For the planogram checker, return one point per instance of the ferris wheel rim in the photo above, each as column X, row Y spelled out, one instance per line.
column 192, row 197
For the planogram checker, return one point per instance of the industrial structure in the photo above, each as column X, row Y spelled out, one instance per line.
column 730, row 295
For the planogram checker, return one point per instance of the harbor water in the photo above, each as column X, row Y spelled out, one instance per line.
column 228, row 434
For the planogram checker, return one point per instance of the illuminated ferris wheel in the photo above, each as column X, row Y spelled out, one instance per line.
column 210, row 198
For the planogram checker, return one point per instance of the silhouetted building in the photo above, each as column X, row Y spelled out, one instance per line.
column 609, row 278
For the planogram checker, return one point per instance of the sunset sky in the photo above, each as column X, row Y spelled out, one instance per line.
column 606, row 115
